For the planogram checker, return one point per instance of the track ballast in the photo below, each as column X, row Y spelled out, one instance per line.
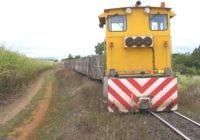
column 187, row 128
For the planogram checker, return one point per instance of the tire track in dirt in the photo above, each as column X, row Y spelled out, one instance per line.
column 12, row 108
column 27, row 128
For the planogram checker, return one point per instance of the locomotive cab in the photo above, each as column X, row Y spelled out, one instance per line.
column 137, row 40
column 138, row 71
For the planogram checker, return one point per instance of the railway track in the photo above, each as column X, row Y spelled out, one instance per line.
column 187, row 128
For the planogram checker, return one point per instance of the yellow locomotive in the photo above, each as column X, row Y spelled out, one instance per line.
column 137, row 39
column 138, row 71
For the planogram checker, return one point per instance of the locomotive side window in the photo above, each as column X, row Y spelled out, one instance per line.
column 158, row 22
column 117, row 23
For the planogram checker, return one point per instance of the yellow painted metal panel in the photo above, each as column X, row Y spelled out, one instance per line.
column 125, row 60
column 162, row 52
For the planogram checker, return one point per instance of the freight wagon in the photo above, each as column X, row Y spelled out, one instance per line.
column 91, row 66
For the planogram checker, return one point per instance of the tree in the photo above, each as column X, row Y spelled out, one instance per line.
column 77, row 57
column 182, row 59
column 195, row 57
column 100, row 48
column 70, row 57
column 187, row 63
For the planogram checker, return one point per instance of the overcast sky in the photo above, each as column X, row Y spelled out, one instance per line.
column 55, row 28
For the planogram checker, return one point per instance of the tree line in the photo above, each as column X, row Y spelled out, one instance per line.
column 70, row 57
column 187, row 63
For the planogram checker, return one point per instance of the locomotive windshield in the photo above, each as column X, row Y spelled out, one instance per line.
column 158, row 22
column 117, row 23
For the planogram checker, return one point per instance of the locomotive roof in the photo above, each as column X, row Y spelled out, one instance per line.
column 104, row 15
column 167, row 8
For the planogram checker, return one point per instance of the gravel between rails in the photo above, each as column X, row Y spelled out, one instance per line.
column 189, row 129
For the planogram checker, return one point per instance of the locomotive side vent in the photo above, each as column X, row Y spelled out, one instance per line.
column 138, row 41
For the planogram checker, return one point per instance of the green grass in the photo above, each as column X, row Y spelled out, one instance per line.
column 80, row 114
column 16, row 70
column 189, row 93
column 187, row 81
column 26, row 112
column 54, row 116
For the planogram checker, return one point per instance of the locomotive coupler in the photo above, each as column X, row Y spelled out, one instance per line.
column 144, row 104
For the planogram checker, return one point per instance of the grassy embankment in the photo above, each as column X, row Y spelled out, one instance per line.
column 76, row 111
column 189, row 93
column 16, row 70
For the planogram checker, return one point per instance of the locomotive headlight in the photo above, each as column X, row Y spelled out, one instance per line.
column 147, row 10
column 129, row 42
column 128, row 10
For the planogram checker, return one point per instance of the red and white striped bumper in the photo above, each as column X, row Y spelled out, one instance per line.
column 124, row 93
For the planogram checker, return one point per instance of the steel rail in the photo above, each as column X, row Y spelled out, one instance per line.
column 172, row 127
column 181, row 115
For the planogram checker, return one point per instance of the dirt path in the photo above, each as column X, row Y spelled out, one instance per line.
column 26, row 129
column 9, row 110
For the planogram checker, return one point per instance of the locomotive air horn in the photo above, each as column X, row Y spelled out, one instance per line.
column 138, row 4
